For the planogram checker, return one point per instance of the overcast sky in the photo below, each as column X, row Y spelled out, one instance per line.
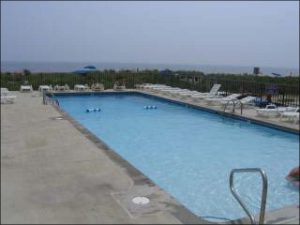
column 215, row 33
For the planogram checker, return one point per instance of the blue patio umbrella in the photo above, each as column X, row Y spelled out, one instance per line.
column 90, row 67
column 85, row 70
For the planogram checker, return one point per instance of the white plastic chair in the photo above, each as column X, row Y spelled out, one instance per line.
column 290, row 115
column 118, row 86
column 223, row 100
column 269, row 111
column 6, row 96
column 26, row 88
column 212, row 93
column 246, row 102
column 97, row 87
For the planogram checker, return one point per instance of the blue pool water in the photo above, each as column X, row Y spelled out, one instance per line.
column 190, row 152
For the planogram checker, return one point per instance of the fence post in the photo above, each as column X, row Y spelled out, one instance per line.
column 242, row 87
column 133, row 80
column 60, row 77
column 261, row 90
column 44, row 97
column 283, row 96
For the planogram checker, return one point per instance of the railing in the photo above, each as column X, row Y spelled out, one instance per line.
column 227, row 103
column 263, row 197
column 234, row 103
column 52, row 100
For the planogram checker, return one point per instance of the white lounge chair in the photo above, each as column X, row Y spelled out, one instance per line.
column 169, row 91
column 97, row 87
column 62, row 88
column 4, row 90
column 147, row 86
column 155, row 87
column 212, row 93
column 176, row 92
column 188, row 93
column 118, row 86
column 81, row 87
column 6, row 96
column 139, row 86
column 269, row 111
column 26, row 88
column 158, row 88
column 290, row 115
column 246, row 102
column 8, row 99
column 223, row 100
column 45, row 88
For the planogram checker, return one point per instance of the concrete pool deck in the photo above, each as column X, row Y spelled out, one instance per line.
column 52, row 173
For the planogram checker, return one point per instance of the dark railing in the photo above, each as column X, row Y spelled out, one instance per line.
column 287, row 95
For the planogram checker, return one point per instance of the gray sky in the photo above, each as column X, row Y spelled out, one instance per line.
column 216, row 33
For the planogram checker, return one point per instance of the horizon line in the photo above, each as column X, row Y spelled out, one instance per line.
column 153, row 63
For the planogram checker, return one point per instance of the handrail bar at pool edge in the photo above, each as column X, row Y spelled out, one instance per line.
column 263, row 197
column 46, row 98
column 234, row 104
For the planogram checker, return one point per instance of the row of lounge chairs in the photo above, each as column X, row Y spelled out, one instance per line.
column 8, row 97
column 77, row 87
column 179, row 92
column 214, row 97
column 26, row 88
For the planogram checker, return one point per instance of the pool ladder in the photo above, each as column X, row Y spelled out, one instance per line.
column 263, row 196
column 52, row 100
column 234, row 102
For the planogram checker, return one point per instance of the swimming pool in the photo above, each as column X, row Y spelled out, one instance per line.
column 190, row 152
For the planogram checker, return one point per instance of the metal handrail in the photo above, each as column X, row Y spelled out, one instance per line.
column 263, row 196
column 225, row 106
column 234, row 104
column 46, row 98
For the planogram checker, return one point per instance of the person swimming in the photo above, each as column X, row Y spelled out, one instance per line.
column 294, row 177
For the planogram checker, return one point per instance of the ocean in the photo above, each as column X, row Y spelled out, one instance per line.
column 37, row 67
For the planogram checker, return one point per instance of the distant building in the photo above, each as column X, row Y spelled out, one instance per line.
column 256, row 70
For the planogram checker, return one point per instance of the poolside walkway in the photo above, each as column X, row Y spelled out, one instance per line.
column 52, row 173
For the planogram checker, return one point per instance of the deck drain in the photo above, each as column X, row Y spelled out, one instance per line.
column 56, row 118
column 140, row 200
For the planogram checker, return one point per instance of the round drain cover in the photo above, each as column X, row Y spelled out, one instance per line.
column 58, row 118
column 140, row 200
